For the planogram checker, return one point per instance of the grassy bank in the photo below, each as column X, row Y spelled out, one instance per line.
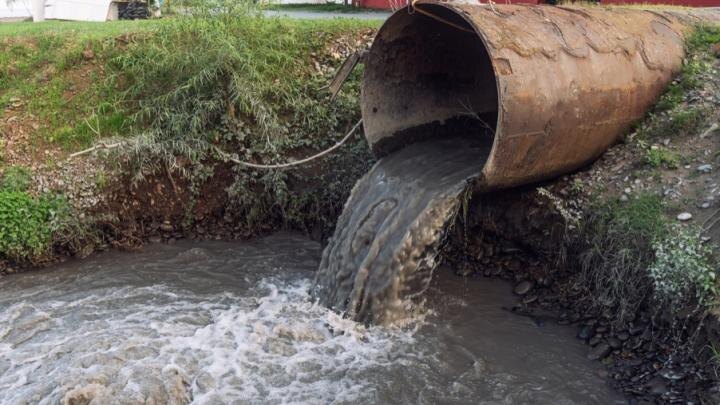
column 176, row 98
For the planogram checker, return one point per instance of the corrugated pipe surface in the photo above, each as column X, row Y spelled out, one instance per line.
column 555, row 86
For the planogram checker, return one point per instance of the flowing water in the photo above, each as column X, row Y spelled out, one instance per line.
column 387, row 239
column 233, row 323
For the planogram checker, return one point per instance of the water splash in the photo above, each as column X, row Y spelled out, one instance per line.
column 387, row 239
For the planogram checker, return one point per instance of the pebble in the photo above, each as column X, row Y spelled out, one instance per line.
column 705, row 168
column 530, row 299
column 586, row 332
column 155, row 239
column 684, row 216
column 166, row 227
column 523, row 287
column 615, row 343
column 657, row 386
column 599, row 352
column 623, row 336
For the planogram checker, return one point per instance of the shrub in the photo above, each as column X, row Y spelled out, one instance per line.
column 681, row 271
column 229, row 82
column 27, row 224
column 15, row 178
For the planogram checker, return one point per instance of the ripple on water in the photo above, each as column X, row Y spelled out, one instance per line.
column 218, row 323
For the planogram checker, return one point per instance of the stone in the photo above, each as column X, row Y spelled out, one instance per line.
column 523, row 287
column 166, row 227
column 615, row 343
column 586, row 332
column 155, row 239
column 599, row 352
column 706, row 168
column 684, row 216
column 657, row 386
column 530, row 299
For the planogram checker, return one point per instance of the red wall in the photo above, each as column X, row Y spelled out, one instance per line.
column 385, row 4
column 691, row 3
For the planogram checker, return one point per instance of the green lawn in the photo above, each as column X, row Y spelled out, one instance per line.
column 88, row 30
column 327, row 8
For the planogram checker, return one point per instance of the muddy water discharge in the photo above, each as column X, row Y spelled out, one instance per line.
column 222, row 323
column 386, row 241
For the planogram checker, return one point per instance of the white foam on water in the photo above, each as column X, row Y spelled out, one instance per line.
column 145, row 344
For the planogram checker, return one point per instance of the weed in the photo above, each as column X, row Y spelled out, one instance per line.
column 614, row 250
column 681, row 271
column 678, row 122
column 27, row 224
column 233, row 81
column 662, row 157
column 15, row 178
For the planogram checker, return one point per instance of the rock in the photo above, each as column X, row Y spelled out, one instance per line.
column 166, row 227
column 523, row 287
column 714, row 127
column 657, row 386
column 672, row 375
column 530, row 299
column 623, row 336
column 706, row 168
column 599, row 352
column 586, row 332
column 615, row 343
column 684, row 216
column 155, row 239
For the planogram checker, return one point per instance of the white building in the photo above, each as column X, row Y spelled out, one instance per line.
column 76, row 10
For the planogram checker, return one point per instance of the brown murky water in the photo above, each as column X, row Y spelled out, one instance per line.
column 233, row 323
column 387, row 239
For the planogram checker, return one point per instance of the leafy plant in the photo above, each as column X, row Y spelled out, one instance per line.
column 681, row 271
column 659, row 156
column 15, row 178
column 27, row 224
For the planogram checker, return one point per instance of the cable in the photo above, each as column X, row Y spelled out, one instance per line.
column 298, row 162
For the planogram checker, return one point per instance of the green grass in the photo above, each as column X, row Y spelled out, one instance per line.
column 326, row 8
column 15, row 178
column 236, row 84
column 613, row 250
column 70, row 96
column 698, row 61
column 662, row 157
column 76, row 29
column 671, row 116
column 181, row 92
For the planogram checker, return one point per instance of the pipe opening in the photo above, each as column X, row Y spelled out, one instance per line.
column 427, row 78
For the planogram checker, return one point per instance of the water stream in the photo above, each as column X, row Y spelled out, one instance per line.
column 233, row 323
column 387, row 239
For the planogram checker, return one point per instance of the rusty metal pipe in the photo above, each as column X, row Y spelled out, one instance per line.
column 557, row 86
